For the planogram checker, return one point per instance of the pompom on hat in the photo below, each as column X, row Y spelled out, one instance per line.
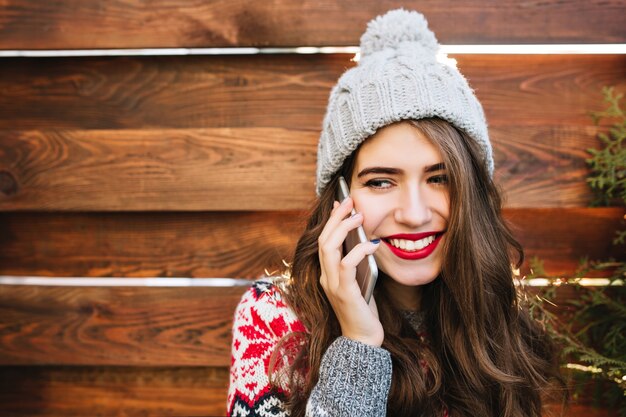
column 398, row 78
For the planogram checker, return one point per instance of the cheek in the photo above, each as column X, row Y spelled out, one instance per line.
column 445, row 212
column 442, row 205
column 373, row 210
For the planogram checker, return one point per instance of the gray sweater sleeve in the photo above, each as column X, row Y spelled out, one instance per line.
column 354, row 381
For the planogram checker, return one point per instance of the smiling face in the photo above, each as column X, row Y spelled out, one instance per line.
column 400, row 184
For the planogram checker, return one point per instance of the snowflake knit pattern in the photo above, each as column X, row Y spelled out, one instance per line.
column 354, row 377
column 261, row 320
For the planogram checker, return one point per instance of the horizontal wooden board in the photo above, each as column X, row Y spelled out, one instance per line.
column 243, row 245
column 542, row 89
column 112, row 391
column 117, row 325
column 561, row 238
column 543, row 166
column 191, row 91
column 131, row 392
column 283, row 91
column 182, row 170
column 27, row 24
column 238, row 244
column 245, row 168
column 131, row 326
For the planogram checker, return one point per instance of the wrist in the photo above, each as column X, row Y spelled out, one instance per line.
column 371, row 340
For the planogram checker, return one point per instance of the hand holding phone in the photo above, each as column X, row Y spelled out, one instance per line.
column 367, row 270
column 345, row 282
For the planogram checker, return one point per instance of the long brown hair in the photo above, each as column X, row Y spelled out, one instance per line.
column 484, row 355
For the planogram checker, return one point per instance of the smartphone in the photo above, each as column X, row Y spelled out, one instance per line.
column 367, row 270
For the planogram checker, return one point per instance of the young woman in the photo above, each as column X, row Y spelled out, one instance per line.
column 444, row 333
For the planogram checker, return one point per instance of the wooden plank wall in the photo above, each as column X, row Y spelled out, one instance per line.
column 203, row 166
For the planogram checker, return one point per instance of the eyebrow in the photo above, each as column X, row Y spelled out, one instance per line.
column 436, row 167
column 379, row 170
column 395, row 171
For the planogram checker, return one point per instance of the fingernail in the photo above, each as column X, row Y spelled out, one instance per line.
column 375, row 241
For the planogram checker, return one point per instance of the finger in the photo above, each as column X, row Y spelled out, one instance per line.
column 334, row 239
column 349, row 263
column 330, row 252
column 338, row 214
column 358, row 253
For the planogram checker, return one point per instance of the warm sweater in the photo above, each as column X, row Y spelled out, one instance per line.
column 354, row 378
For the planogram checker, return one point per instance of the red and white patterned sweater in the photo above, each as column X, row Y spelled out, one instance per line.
column 354, row 377
column 261, row 320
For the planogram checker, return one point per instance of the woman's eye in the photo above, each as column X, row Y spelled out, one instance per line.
column 375, row 183
column 439, row 179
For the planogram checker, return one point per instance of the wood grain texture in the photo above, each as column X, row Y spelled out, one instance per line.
column 123, row 326
column 192, row 91
column 245, row 168
column 158, row 158
column 562, row 237
column 238, row 244
column 543, row 166
column 130, row 326
column 76, row 391
column 243, row 245
column 181, row 170
column 283, row 91
column 534, row 90
column 141, row 392
column 71, row 24
column 87, row 382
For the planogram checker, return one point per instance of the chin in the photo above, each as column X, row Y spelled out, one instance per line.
column 411, row 277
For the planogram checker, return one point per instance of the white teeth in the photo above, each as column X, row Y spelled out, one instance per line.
column 412, row 245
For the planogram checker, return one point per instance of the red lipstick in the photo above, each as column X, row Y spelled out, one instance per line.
column 417, row 254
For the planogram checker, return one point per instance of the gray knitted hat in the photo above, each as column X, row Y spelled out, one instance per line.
column 398, row 78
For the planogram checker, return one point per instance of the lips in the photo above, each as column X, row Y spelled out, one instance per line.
column 413, row 246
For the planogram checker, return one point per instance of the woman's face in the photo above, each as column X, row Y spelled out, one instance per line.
column 400, row 185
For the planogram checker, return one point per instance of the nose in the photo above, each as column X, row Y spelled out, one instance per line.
column 413, row 209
